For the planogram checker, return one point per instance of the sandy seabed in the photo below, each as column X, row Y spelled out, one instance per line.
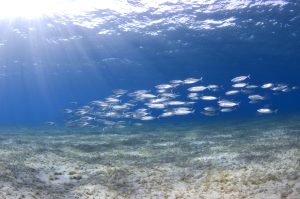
column 253, row 159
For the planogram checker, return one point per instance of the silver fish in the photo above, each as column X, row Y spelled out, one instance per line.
column 67, row 110
column 169, row 95
column 146, row 96
column 163, row 86
column 240, row 78
column 81, row 112
column 161, row 91
column 50, row 123
column 227, row 103
column 83, row 124
column 193, row 96
column 147, row 118
column 251, row 86
column 112, row 100
column 281, row 87
column 191, row 80
column 176, row 103
column 239, row 85
column 208, row 113
column 209, row 109
column 119, row 91
column 156, row 106
column 208, row 98
column 176, row 81
column 158, row 100
column 87, row 118
column 253, row 102
column 213, row 87
column 226, row 110
column 197, row 88
column 266, row 111
column 267, row 85
column 182, row 111
column 256, row 97
column 167, row 114
column 232, row 92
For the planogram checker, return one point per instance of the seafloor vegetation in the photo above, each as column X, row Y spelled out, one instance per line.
column 253, row 159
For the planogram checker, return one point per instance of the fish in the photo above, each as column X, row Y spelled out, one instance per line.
column 191, row 80
column 161, row 91
column 67, row 110
column 147, row 118
column 99, row 103
column 156, row 106
column 137, row 93
column 239, row 85
column 197, row 88
column 81, row 112
column 112, row 114
column 106, row 122
column 266, row 111
column 253, row 102
column 112, row 100
column 123, row 107
column 227, row 103
column 163, row 86
column 208, row 113
column 50, row 123
column 193, row 96
column 208, row 98
column 183, row 111
column 226, row 110
column 169, row 95
column 256, row 97
column 213, row 87
column 87, row 118
column 232, row 92
column 83, row 124
column 267, row 85
column 167, row 114
column 176, row 81
column 251, row 86
column 240, row 78
column 281, row 87
column 120, row 107
column 176, row 103
column 247, row 91
column 119, row 91
column 146, row 96
column 158, row 100
column 286, row 90
column 140, row 113
column 209, row 109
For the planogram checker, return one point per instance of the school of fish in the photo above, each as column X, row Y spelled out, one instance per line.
column 125, row 107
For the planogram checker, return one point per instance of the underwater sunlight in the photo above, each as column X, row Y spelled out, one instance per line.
column 134, row 99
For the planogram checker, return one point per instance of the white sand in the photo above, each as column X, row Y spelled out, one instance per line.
column 262, row 162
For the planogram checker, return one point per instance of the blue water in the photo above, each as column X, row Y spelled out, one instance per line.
column 47, row 62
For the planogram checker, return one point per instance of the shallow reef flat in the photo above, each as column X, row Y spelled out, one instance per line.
column 233, row 159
